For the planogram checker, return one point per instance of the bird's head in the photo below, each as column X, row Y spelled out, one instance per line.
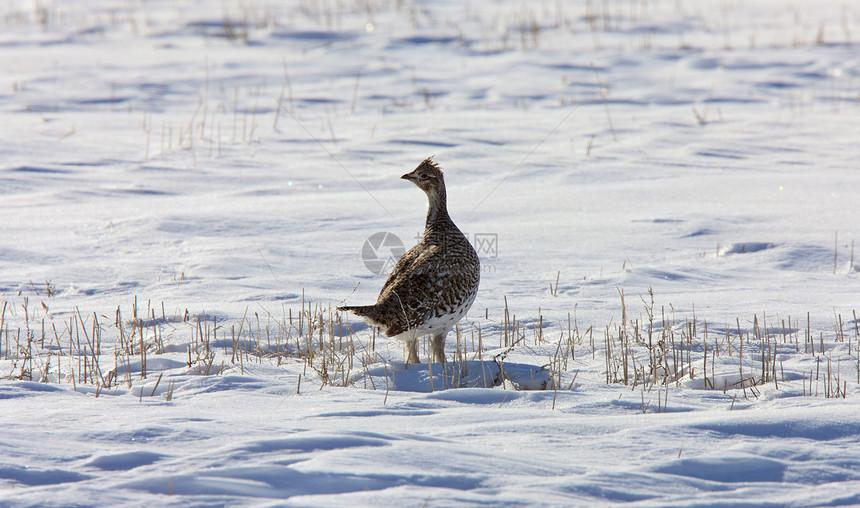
column 427, row 176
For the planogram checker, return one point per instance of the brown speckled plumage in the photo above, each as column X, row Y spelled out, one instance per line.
column 434, row 284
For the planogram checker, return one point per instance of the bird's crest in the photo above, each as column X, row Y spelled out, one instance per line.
column 429, row 163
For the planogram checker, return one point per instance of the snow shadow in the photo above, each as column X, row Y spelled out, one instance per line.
column 422, row 377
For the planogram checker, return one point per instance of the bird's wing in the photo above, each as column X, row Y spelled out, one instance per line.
column 403, row 265
column 415, row 290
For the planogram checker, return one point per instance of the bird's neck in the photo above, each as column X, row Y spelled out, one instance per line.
column 437, row 209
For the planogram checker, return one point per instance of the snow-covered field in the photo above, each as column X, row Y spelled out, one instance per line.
column 664, row 195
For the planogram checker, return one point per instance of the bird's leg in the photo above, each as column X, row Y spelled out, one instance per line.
column 438, row 348
column 412, row 351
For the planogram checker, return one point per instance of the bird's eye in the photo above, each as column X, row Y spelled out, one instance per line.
column 424, row 176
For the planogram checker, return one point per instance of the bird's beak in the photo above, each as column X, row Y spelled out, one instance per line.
column 407, row 176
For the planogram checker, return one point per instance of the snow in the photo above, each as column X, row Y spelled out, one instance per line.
column 662, row 193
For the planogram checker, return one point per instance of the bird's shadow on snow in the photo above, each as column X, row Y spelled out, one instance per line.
column 425, row 377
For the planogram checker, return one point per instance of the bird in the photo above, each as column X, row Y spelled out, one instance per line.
column 434, row 284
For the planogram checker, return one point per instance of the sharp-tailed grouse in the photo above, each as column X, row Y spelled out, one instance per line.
column 433, row 285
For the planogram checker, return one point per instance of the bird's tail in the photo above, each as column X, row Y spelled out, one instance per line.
column 358, row 310
column 370, row 313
